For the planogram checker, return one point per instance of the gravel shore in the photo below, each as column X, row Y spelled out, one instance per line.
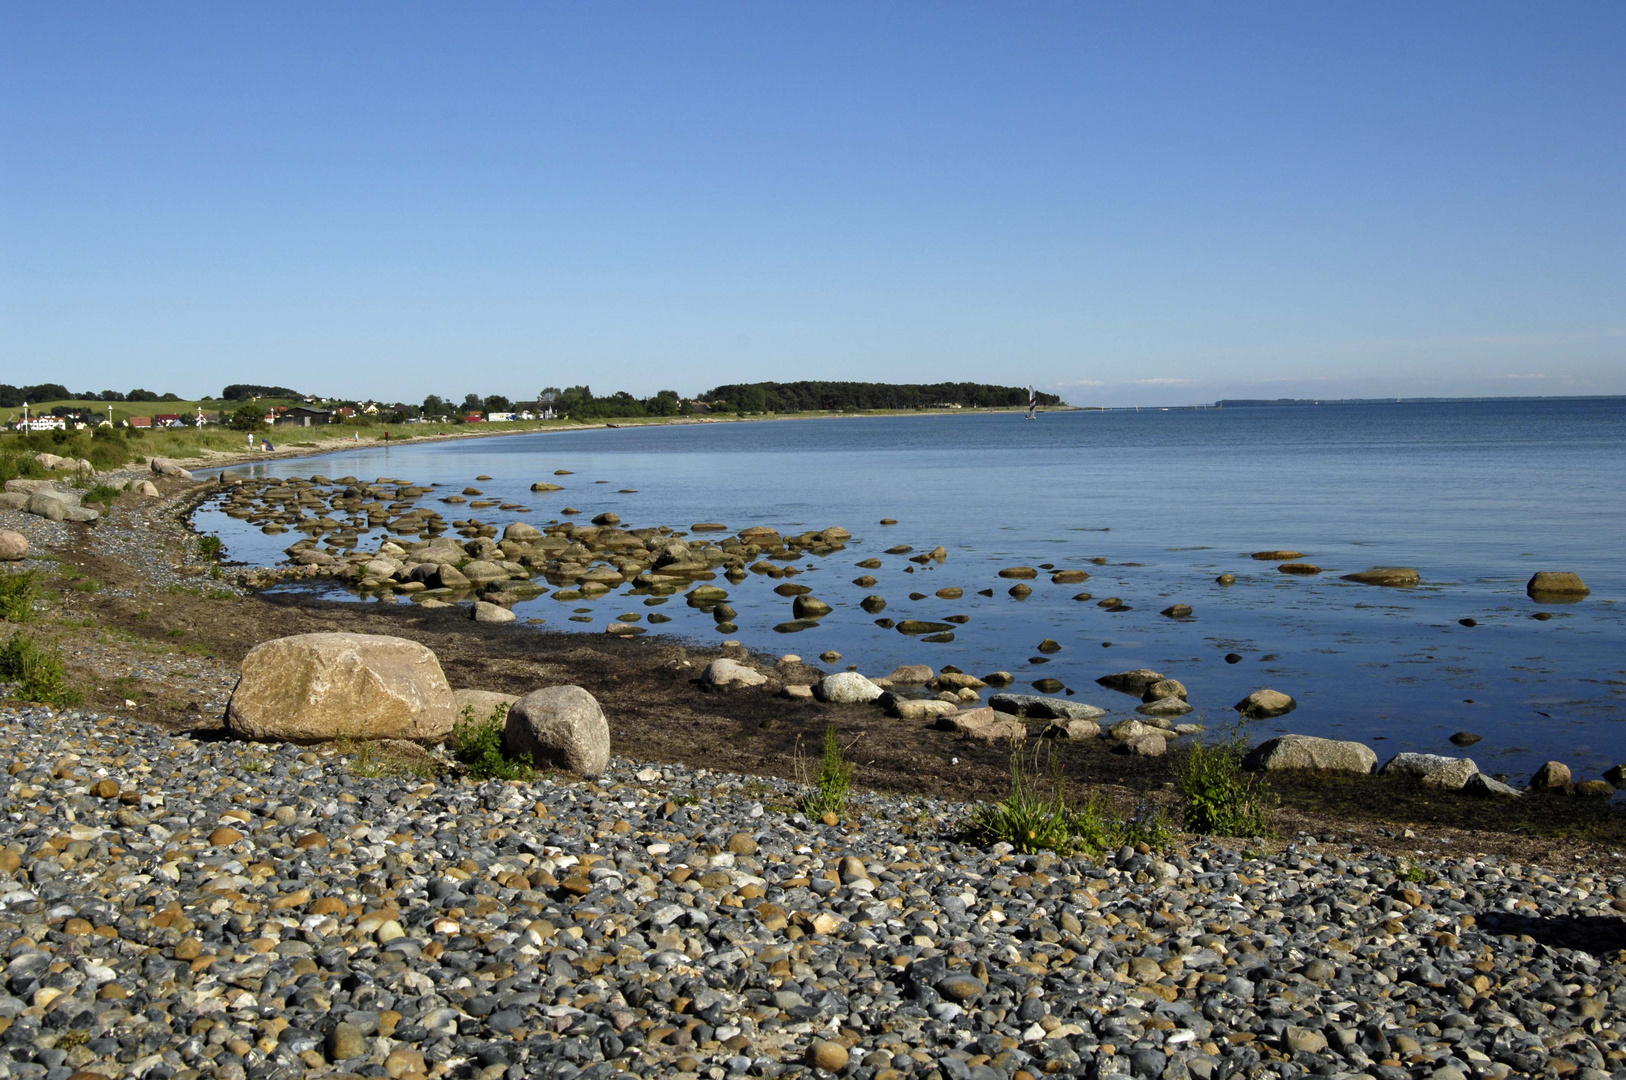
column 171, row 907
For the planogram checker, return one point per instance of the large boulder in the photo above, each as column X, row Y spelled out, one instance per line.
column 1559, row 585
column 1265, row 704
column 1551, row 776
column 846, row 688
column 50, row 504
column 13, row 546
column 1309, row 752
column 166, row 467
column 560, row 726
column 13, row 500
column 1165, row 706
column 316, row 687
column 1432, row 770
column 723, row 673
column 1399, row 577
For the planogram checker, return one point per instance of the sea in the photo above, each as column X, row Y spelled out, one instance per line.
column 1154, row 505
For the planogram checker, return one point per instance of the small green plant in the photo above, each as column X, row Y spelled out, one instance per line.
column 101, row 493
column 86, row 585
column 478, row 745
column 38, row 671
column 1035, row 815
column 829, row 789
column 17, row 592
column 1221, row 798
column 210, row 546
column 1411, row 872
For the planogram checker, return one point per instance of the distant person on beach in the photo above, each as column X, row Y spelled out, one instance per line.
column 265, row 444
column 386, row 436
column 251, row 440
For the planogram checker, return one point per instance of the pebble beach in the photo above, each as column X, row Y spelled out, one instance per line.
column 180, row 908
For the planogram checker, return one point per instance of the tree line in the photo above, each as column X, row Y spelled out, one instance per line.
column 854, row 396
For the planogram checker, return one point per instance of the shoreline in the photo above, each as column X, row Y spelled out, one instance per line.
column 214, row 459
column 179, row 612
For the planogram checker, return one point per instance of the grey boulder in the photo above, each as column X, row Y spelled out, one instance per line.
column 559, row 726
column 1310, row 752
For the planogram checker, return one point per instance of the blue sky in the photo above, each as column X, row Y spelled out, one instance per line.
column 1125, row 203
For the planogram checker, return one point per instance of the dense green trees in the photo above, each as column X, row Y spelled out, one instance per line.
column 854, row 396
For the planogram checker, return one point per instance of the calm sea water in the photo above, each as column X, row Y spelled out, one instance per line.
column 1476, row 495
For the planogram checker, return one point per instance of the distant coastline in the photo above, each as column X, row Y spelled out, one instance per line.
column 1250, row 403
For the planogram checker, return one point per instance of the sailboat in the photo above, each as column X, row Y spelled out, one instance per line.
column 1033, row 404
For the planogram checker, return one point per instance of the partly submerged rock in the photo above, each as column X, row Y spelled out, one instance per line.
column 1556, row 586
column 1265, row 704
column 1400, row 577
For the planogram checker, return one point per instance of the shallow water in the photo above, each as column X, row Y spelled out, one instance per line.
column 1476, row 495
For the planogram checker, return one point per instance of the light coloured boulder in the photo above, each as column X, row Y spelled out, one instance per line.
column 1164, row 707
column 921, row 709
column 145, row 488
column 1164, row 688
column 485, row 612
column 1552, row 776
column 13, row 500
column 1396, row 577
column 985, row 724
column 167, row 467
column 846, row 688
column 1310, row 752
column 316, row 687
column 1556, row 585
column 724, row 673
column 911, row 675
column 1480, row 784
column 1072, row 729
column 481, row 571
column 1125, row 730
column 521, row 532
column 479, row 705
column 48, row 504
column 957, row 680
column 13, row 546
column 560, row 726
column 1264, row 704
column 1432, row 770
column 542, row 486
column 81, row 514
column 1151, row 744
column 27, row 487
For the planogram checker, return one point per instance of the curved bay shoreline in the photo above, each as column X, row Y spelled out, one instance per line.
column 720, row 934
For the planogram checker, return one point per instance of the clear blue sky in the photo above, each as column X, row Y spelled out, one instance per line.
column 1132, row 202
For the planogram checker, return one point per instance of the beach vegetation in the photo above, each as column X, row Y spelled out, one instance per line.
column 38, row 670
column 18, row 590
column 827, row 792
column 1035, row 814
column 477, row 745
column 1221, row 797
column 210, row 546
column 100, row 492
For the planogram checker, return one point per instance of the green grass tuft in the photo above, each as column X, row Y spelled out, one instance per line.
column 829, row 789
column 478, row 745
column 38, row 671
column 1035, row 816
column 1221, row 798
column 18, row 588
